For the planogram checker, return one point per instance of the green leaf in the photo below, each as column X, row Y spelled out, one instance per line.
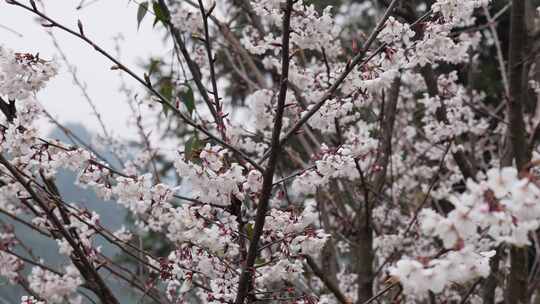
column 166, row 90
column 192, row 148
column 141, row 12
column 249, row 231
column 160, row 13
column 187, row 98
column 259, row 261
column 154, row 66
column 166, row 87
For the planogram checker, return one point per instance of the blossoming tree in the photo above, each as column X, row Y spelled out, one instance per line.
column 331, row 154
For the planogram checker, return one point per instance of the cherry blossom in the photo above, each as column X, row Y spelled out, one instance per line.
column 289, row 152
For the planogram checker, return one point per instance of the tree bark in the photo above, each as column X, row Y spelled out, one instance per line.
column 363, row 239
column 516, row 290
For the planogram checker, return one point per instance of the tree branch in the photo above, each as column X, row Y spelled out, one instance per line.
column 246, row 280
column 80, row 258
column 327, row 281
column 516, row 290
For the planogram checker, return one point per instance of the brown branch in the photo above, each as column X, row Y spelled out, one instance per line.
column 27, row 224
column 516, row 289
column 208, row 46
column 327, row 281
column 470, row 291
column 245, row 281
column 192, row 66
column 388, row 123
column 363, row 237
column 33, row 263
column 80, row 259
column 465, row 167
column 434, row 181
column 517, row 96
column 380, row 294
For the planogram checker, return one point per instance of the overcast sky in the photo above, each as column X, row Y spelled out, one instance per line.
column 103, row 20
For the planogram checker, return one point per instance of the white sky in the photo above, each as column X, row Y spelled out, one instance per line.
column 102, row 21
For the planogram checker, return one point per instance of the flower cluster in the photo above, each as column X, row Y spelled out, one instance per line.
column 343, row 163
column 288, row 237
column 502, row 205
column 459, row 267
column 458, row 12
column 188, row 18
column 305, row 25
column 55, row 287
column 11, row 266
column 30, row 300
column 23, row 74
column 211, row 180
column 458, row 118
column 395, row 31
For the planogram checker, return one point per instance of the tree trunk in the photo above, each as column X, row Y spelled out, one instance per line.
column 516, row 291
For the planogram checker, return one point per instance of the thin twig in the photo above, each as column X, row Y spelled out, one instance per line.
column 160, row 98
